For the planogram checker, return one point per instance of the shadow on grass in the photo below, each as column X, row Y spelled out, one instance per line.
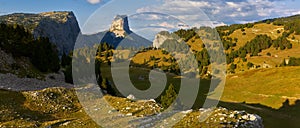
column 287, row 116
column 12, row 108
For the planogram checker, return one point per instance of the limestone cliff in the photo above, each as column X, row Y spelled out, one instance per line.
column 60, row 27
column 119, row 34
column 162, row 37
column 120, row 26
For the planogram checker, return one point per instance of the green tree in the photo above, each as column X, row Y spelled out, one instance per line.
column 169, row 97
column 232, row 68
column 250, row 65
column 68, row 74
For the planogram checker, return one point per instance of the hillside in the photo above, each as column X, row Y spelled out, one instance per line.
column 262, row 58
column 263, row 63
column 59, row 107
column 25, row 56
column 61, row 28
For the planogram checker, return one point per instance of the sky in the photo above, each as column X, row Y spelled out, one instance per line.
column 188, row 12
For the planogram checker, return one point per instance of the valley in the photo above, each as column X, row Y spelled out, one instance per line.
column 261, row 84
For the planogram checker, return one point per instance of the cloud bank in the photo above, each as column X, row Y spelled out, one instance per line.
column 224, row 11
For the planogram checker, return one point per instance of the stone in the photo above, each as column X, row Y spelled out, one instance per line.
column 131, row 97
column 120, row 26
column 61, row 27
column 129, row 114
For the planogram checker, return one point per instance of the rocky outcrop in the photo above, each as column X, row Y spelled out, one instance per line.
column 159, row 39
column 162, row 37
column 60, row 27
column 120, row 26
column 119, row 34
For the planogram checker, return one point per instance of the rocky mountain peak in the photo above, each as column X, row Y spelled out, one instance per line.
column 120, row 26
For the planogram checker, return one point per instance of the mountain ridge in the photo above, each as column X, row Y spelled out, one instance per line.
column 61, row 27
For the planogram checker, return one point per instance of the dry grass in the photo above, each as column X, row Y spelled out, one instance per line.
column 251, row 33
column 270, row 87
column 195, row 44
column 143, row 57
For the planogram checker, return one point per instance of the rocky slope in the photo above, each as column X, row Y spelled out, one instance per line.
column 60, row 27
column 21, row 67
column 160, row 39
column 59, row 107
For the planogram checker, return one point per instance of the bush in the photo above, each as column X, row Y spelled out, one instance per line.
column 250, row 65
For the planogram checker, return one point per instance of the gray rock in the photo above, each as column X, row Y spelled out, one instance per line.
column 120, row 26
column 61, row 28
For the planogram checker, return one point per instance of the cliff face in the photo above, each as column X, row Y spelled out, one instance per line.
column 162, row 37
column 119, row 34
column 120, row 26
column 60, row 27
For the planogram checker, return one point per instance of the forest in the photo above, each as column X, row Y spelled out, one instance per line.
column 16, row 40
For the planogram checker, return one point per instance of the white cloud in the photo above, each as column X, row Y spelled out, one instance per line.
column 227, row 11
column 94, row 1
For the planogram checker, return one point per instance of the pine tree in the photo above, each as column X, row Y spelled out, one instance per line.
column 169, row 97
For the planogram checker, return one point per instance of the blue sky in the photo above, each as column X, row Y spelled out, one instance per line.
column 220, row 11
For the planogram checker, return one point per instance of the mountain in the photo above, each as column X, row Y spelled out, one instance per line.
column 61, row 28
column 119, row 34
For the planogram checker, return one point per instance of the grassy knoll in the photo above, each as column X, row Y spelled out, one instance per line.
column 269, row 87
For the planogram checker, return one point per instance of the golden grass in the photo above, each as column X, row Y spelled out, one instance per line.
column 195, row 44
column 140, row 58
column 251, row 33
column 270, row 87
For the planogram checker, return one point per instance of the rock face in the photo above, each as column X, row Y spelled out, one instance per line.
column 120, row 26
column 119, row 34
column 162, row 37
column 60, row 27
column 159, row 39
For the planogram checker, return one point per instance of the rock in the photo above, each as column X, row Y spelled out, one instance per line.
column 63, row 34
column 186, row 112
column 129, row 114
column 152, row 100
column 61, row 28
column 131, row 97
column 162, row 37
column 120, row 26
column 159, row 40
column 119, row 34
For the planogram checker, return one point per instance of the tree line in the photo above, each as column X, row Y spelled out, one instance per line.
column 15, row 39
column 256, row 45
